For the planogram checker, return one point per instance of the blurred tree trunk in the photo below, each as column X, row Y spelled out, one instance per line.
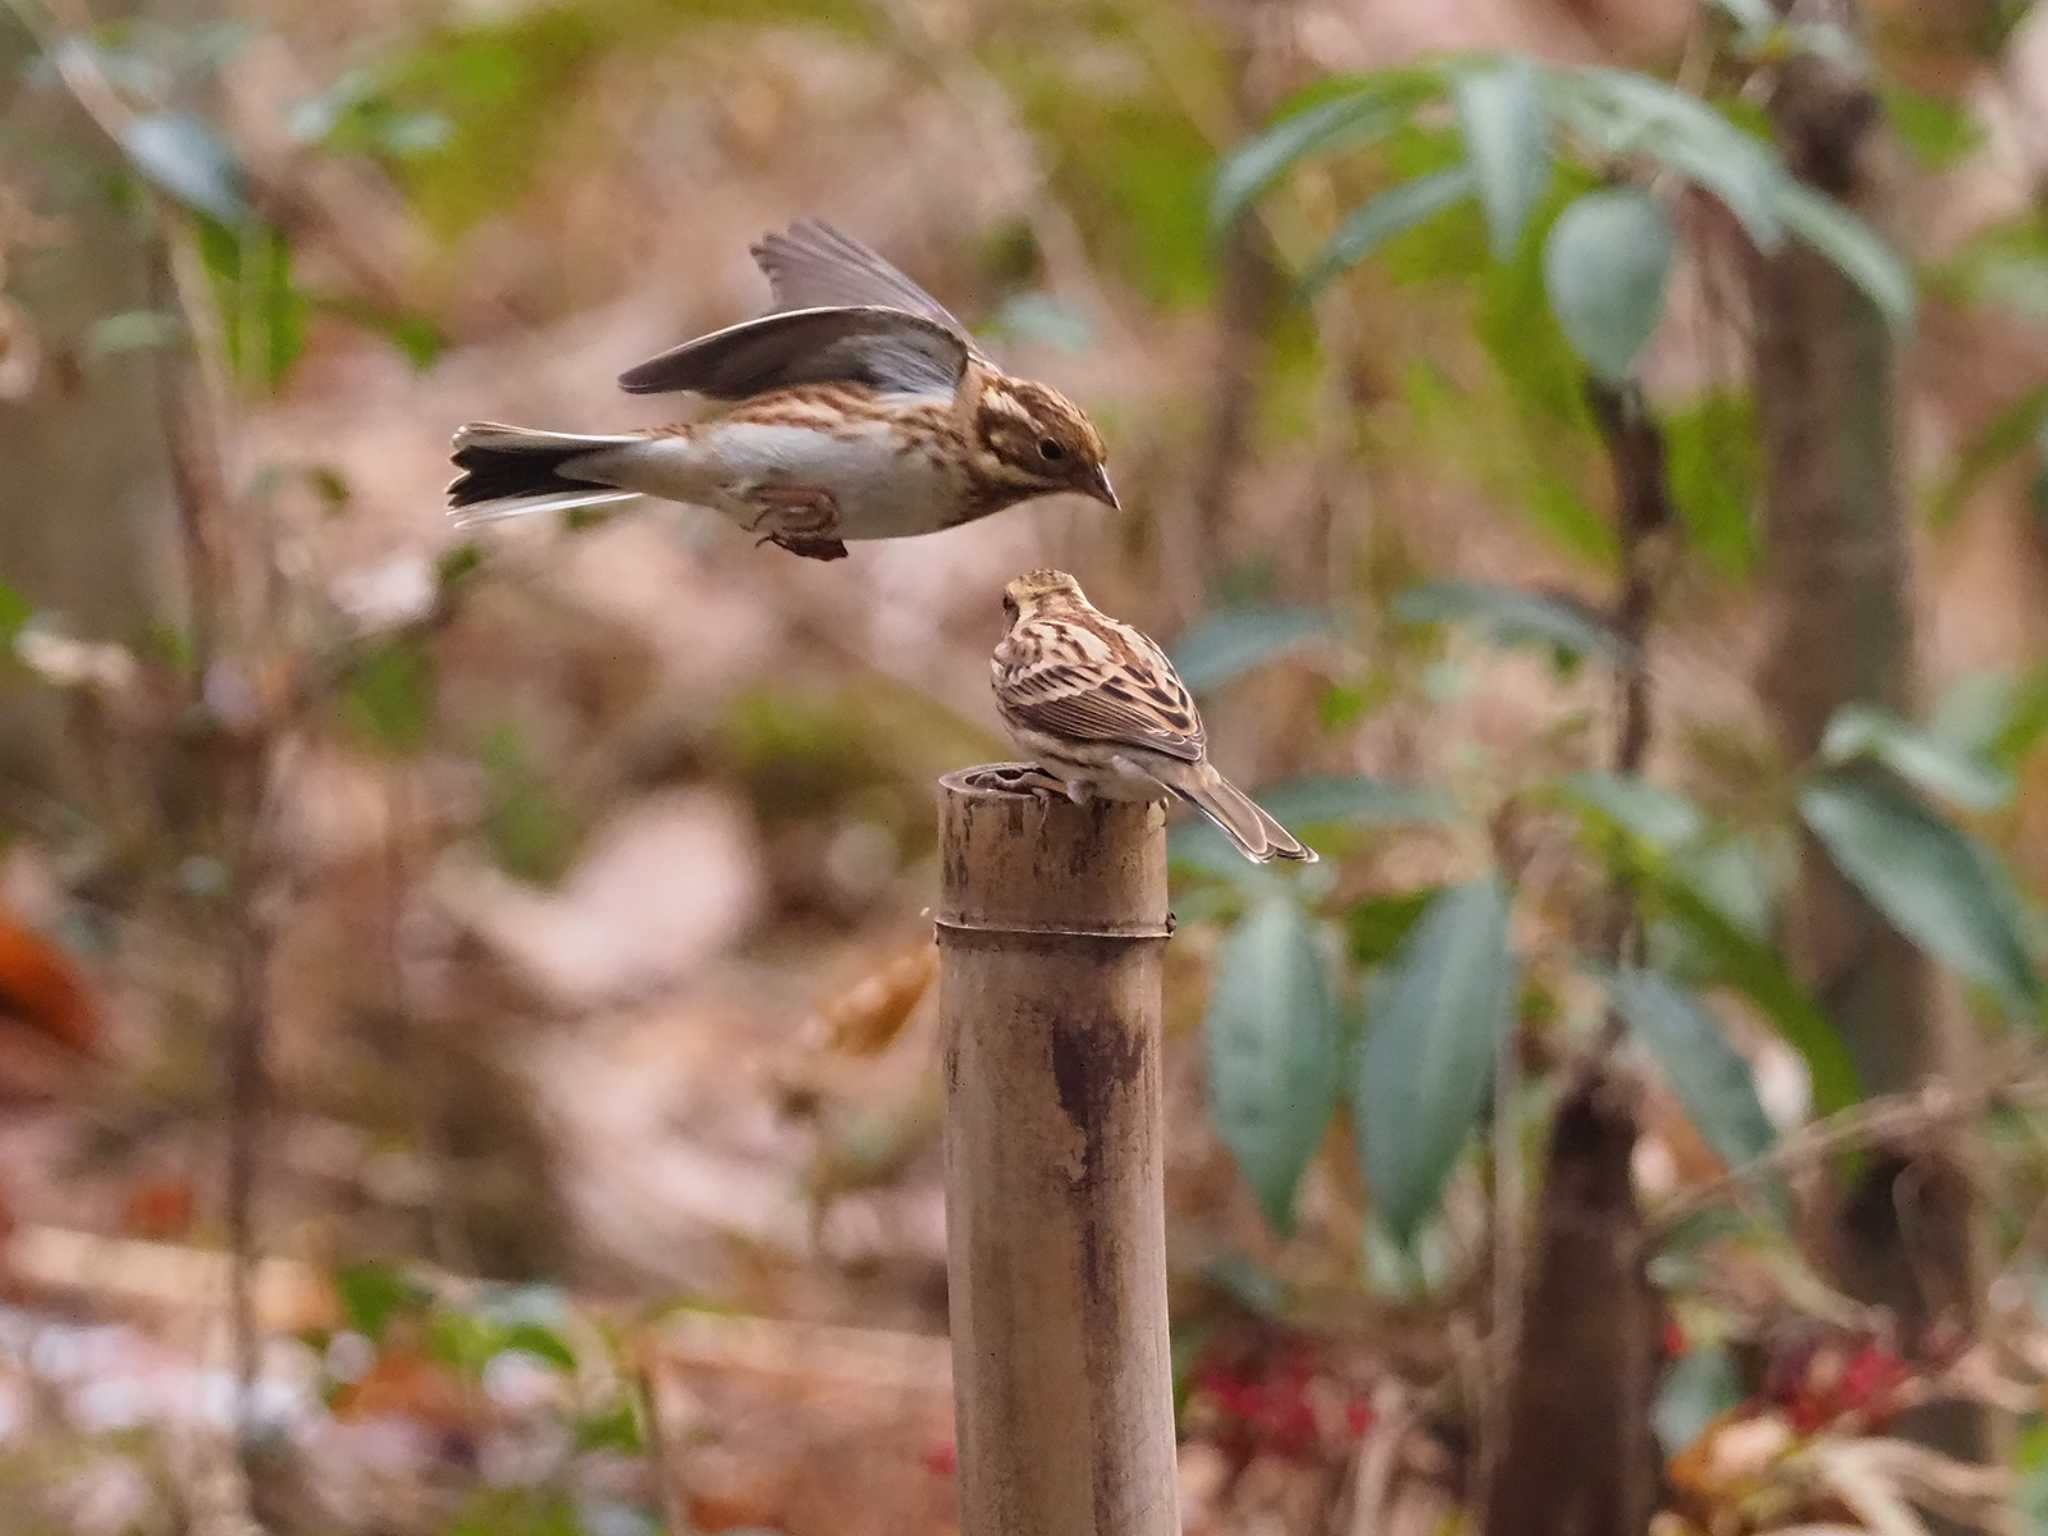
column 1837, row 563
column 85, row 526
column 1249, row 288
column 1576, row 1456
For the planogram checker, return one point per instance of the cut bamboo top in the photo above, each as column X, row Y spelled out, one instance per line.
column 1016, row 863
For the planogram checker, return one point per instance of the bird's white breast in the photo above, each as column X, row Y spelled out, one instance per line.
column 887, row 483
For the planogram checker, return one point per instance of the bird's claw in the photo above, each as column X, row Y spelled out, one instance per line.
column 1017, row 779
column 804, row 516
column 808, row 549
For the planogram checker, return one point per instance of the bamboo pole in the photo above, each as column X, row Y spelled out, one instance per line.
column 1050, row 925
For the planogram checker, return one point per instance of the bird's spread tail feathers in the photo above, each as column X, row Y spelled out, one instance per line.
column 1241, row 819
column 511, row 471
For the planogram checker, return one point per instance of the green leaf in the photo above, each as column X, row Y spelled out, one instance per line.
column 1938, row 132
column 262, row 314
column 1938, row 885
column 1518, row 327
column 1361, row 110
column 1342, row 123
column 372, row 1294
column 625, row 1517
column 1355, row 799
column 542, row 1343
column 1041, row 319
column 1938, row 766
column 457, row 563
column 1623, row 113
column 1605, row 266
column 1300, row 803
column 1976, row 710
column 1740, row 960
column 1709, row 1076
column 2026, row 722
column 144, row 78
column 1231, row 642
column 1393, row 212
column 500, row 85
column 186, row 160
column 2011, row 432
column 460, row 1342
column 1714, row 461
column 1751, row 15
column 1698, row 1389
column 1509, row 616
column 517, row 1511
column 1438, row 1015
column 418, row 337
column 1666, row 852
column 1512, row 455
column 15, row 611
column 132, row 330
column 1195, row 847
column 1273, row 1051
column 1507, row 145
column 507, row 1306
column 1657, row 817
column 532, row 829
column 1377, row 926
column 615, row 1427
column 1852, row 245
column 356, row 115
column 390, row 695
column 1121, row 150
column 2005, row 267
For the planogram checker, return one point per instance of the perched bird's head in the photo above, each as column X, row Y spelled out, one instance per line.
column 1034, row 441
column 1035, row 590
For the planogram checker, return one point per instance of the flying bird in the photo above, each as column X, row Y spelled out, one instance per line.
column 858, row 408
column 1102, row 711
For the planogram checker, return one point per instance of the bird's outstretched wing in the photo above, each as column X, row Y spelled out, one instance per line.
column 1100, row 683
column 866, row 344
column 814, row 266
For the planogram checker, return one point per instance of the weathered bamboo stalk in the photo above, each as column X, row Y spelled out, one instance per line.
column 1050, row 925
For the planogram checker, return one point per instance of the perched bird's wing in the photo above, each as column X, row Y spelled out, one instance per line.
column 814, row 266
column 1100, row 683
column 862, row 344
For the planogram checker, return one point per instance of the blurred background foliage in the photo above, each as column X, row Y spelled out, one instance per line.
column 520, row 940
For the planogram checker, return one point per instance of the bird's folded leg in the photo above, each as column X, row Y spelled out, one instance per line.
column 796, row 511
column 801, row 519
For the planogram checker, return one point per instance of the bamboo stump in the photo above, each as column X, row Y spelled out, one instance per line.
column 1050, row 927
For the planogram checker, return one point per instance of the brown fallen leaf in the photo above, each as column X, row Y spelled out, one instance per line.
column 41, row 990
column 865, row 1018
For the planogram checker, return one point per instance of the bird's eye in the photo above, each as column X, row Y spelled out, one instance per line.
column 1050, row 450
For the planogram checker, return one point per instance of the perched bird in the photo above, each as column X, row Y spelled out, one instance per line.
column 1104, row 713
column 860, row 409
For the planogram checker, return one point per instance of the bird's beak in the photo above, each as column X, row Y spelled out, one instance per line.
column 1099, row 487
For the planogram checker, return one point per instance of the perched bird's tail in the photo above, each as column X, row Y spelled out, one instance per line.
column 1240, row 818
column 511, row 471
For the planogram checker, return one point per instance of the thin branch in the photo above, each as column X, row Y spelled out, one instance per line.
column 671, row 1497
column 248, row 1085
column 195, row 484
column 1895, row 1119
column 1635, row 446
